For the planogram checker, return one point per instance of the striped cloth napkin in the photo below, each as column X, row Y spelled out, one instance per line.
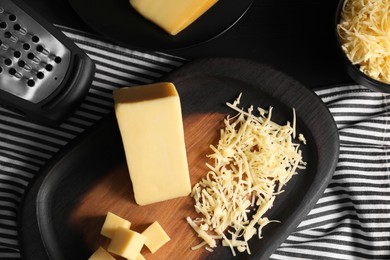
column 350, row 221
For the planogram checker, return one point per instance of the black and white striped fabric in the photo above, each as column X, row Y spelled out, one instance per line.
column 350, row 221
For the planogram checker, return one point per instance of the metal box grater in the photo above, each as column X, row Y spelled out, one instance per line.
column 43, row 74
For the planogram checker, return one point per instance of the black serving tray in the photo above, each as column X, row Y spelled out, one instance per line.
column 47, row 222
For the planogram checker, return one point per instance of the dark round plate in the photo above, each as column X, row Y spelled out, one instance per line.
column 117, row 20
column 54, row 222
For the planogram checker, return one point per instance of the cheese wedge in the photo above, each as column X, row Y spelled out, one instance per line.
column 172, row 15
column 151, row 126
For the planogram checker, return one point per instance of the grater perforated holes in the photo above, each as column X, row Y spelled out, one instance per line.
column 17, row 27
column 40, row 75
column 39, row 48
column 17, row 54
column 8, row 62
column 49, row 67
column 12, row 17
column 27, row 67
column 12, row 71
column 18, row 75
column 21, row 63
column 26, row 46
column 30, row 83
column 35, row 39
column 3, row 46
column 3, row 25
column 20, row 29
column 57, row 59
column 10, row 36
column 30, row 56
column 35, row 59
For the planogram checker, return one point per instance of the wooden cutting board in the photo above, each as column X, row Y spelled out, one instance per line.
column 114, row 193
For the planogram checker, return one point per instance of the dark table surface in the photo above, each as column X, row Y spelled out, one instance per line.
column 294, row 36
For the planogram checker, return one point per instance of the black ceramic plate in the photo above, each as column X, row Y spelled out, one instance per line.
column 117, row 20
column 204, row 87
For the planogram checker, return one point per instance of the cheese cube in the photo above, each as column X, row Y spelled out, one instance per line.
column 101, row 254
column 172, row 15
column 140, row 257
column 126, row 243
column 155, row 237
column 111, row 223
column 151, row 127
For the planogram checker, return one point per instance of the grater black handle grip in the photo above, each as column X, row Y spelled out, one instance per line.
column 68, row 96
column 62, row 103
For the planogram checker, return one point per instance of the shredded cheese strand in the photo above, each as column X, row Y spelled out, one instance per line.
column 364, row 30
column 252, row 162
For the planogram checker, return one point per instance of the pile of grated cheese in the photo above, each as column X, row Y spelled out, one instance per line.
column 253, row 161
column 364, row 31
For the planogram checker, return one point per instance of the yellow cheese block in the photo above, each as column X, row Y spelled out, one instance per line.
column 172, row 15
column 101, row 254
column 155, row 237
column 151, row 126
column 111, row 223
column 126, row 243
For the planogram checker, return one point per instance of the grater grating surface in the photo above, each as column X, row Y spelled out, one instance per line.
column 33, row 62
column 44, row 75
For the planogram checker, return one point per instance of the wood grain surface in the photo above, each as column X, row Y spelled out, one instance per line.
column 114, row 193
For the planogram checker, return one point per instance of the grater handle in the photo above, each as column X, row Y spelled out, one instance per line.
column 69, row 95
column 62, row 104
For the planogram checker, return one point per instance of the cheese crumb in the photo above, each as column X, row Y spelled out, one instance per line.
column 252, row 162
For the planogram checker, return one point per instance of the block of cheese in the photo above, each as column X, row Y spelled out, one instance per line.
column 126, row 243
column 172, row 15
column 156, row 237
column 151, row 126
column 111, row 223
column 101, row 254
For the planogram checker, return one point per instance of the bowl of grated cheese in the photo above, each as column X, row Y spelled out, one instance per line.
column 363, row 35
